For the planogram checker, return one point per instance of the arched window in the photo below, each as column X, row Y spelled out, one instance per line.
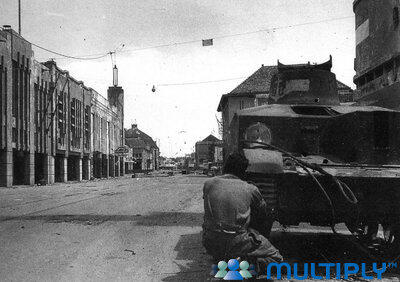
column 396, row 17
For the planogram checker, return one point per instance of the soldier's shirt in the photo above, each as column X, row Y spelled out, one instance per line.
column 228, row 202
column 230, row 206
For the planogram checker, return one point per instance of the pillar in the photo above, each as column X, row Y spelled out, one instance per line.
column 90, row 163
column 116, row 165
column 97, row 165
column 49, row 169
column 122, row 166
column 100, row 166
column 78, row 168
column 86, row 168
column 106, row 169
column 64, row 169
column 6, row 168
column 29, row 169
column 112, row 165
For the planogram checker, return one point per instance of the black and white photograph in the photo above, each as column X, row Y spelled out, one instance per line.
column 199, row 140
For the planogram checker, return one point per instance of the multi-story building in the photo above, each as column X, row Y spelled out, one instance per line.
column 145, row 151
column 377, row 62
column 50, row 122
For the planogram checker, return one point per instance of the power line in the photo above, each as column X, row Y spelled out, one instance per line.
column 99, row 56
column 284, row 27
column 82, row 57
column 71, row 57
column 273, row 29
column 239, row 34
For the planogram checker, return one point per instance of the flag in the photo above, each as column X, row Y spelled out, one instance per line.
column 207, row 42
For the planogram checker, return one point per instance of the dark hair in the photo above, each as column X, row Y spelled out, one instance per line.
column 236, row 163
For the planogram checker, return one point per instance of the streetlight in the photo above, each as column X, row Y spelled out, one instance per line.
column 19, row 17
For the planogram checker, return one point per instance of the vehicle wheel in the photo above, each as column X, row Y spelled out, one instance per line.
column 382, row 240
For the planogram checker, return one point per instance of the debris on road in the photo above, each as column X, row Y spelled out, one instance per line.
column 133, row 252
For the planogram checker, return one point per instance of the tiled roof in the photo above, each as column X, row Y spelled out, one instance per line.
column 134, row 142
column 135, row 138
column 211, row 138
column 342, row 86
column 259, row 83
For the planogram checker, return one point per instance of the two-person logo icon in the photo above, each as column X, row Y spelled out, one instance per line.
column 233, row 274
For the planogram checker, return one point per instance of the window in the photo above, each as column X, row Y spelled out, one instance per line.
column 241, row 106
column 261, row 99
column 15, row 88
column 60, row 113
column 73, row 122
column 87, row 127
column 395, row 17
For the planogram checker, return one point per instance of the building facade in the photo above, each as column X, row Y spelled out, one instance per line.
column 208, row 151
column 377, row 59
column 48, row 120
column 145, row 151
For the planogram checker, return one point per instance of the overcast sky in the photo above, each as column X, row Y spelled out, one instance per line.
column 180, row 115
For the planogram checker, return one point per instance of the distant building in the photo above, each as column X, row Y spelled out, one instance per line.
column 254, row 91
column 190, row 160
column 145, row 151
column 205, row 150
column 168, row 163
column 218, row 155
column 377, row 62
column 161, row 161
column 129, row 160
column 346, row 94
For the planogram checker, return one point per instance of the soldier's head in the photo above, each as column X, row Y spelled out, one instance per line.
column 236, row 164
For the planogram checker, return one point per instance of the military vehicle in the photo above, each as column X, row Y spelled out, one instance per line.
column 320, row 162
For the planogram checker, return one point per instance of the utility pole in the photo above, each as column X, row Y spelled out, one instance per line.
column 19, row 17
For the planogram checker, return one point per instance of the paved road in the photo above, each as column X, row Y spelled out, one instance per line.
column 126, row 229
column 145, row 229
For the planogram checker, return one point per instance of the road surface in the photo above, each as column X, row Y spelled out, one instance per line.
column 126, row 229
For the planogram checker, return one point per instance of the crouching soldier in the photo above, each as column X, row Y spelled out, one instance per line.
column 236, row 220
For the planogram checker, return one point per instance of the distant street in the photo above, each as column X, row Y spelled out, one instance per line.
column 145, row 229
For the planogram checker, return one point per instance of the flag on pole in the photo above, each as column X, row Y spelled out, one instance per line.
column 207, row 42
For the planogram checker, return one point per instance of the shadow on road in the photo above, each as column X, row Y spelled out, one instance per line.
column 153, row 219
column 297, row 247
column 171, row 219
column 194, row 264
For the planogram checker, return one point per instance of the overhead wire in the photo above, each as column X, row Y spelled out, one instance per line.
column 284, row 27
column 102, row 55
column 120, row 47
column 239, row 34
column 70, row 57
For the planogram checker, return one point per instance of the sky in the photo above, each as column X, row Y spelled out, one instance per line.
column 189, row 79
